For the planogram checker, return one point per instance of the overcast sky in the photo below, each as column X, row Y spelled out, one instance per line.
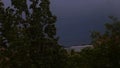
column 77, row 18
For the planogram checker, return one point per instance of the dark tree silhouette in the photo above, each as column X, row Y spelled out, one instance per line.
column 28, row 36
column 106, row 48
column 105, row 52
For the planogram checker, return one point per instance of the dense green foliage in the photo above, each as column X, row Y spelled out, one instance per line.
column 107, row 45
column 28, row 36
column 28, row 40
column 105, row 52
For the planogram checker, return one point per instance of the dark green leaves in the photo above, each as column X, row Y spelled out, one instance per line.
column 30, row 32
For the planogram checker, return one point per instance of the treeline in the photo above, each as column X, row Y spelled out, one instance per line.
column 28, row 40
column 105, row 52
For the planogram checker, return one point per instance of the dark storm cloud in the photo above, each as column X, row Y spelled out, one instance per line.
column 76, row 18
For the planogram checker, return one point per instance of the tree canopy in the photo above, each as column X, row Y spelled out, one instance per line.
column 105, row 52
column 28, row 40
column 106, row 48
column 28, row 36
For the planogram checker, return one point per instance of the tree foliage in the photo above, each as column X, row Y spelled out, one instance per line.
column 105, row 52
column 106, row 48
column 28, row 36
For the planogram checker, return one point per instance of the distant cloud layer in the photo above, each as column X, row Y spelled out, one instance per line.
column 85, row 7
